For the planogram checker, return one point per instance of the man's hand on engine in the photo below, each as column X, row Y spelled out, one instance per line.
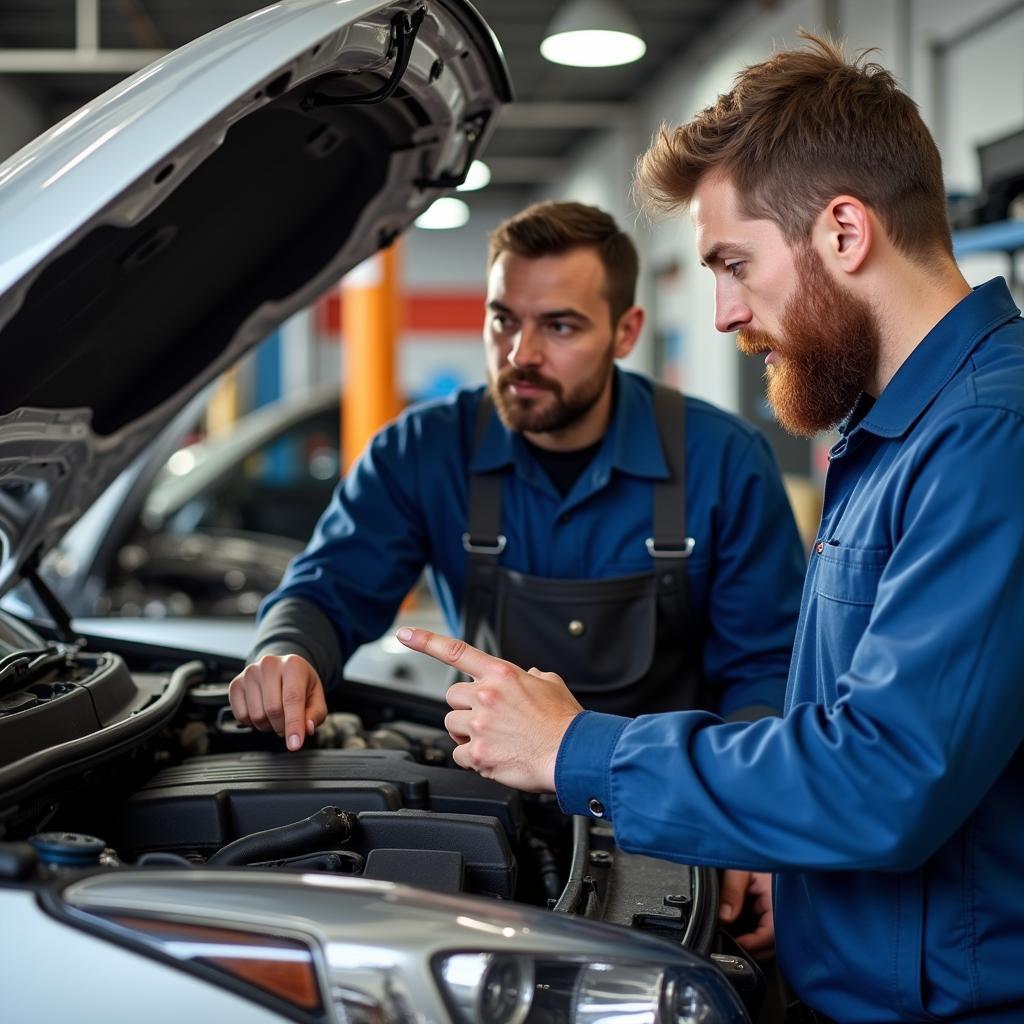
column 281, row 694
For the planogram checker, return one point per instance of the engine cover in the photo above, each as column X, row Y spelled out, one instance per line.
column 206, row 802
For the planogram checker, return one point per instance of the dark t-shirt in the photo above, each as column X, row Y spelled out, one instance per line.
column 564, row 468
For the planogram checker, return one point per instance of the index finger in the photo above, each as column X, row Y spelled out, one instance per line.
column 453, row 652
column 293, row 702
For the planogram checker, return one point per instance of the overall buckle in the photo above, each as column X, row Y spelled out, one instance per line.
column 656, row 551
column 484, row 549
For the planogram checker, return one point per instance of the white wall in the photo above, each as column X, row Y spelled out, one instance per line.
column 945, row 22
column 601, row 176
column 976, row 95
column 440, row 261
column 456, row 258
column 984, row 97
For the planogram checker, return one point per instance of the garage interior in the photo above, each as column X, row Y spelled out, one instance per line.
column 257, row 455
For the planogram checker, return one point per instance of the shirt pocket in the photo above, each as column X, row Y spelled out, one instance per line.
column 845, row 587
column 850, row 575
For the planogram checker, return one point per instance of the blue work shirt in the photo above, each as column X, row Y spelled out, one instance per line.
column 890, row 798
column 404, row 505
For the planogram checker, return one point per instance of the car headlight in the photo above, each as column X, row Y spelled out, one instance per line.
column 486, row 988
column 609, row 993
column 489, row 988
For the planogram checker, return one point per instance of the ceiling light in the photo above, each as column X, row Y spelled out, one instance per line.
column 478, row 175
column 593, row 34
column 442, row 214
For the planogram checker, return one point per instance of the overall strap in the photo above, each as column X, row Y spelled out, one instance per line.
column 670, row 540
column 484, row 538
column 670, row 547
column 483, row 541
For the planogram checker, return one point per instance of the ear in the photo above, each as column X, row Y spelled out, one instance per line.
column 627, row 331
column 843, row 233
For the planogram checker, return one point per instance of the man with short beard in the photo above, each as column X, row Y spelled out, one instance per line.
column 569, row 511
column 888, row 800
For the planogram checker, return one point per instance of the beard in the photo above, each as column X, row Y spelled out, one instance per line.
column 543, row 415
column 826, row 350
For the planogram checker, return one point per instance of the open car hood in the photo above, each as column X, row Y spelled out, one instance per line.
column 158, row 233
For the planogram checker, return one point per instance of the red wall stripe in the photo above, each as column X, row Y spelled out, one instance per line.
column 458, row 312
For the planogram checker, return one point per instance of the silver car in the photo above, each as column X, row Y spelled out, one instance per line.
column 157, row 862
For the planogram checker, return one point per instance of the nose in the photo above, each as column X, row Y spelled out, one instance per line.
column 527, row 347
column 731, row 312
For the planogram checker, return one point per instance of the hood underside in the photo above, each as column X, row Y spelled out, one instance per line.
column 160, row 232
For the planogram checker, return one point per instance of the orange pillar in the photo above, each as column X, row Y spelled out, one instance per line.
column 371, row 298
column 225, row 404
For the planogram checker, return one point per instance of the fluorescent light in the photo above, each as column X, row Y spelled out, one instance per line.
column 593, row 34
column 478, row 175
column 443, row 214
column 593, row 48
column 181, row 462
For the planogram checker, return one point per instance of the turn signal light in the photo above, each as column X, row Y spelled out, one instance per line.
column 281, row 967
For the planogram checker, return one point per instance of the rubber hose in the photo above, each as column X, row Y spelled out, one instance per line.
column 330, row 826
column 343, row 862
column 164, row 858
column 547, row 868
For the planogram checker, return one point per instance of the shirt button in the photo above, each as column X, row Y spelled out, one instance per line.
column 576, row 628
column 820, row 546
column 595, row 807
column 565, row 517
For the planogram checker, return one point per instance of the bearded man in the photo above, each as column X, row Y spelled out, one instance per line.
column 568, row 512
column 888, row 798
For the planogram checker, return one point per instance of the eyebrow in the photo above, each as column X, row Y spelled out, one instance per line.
column 714, row 253
column 551, row 314
column 564, row 314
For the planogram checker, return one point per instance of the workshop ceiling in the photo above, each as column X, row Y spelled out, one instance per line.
column 557, row 107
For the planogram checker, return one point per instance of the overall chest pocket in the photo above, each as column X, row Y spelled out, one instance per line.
column 849, row 575
column 599, row 635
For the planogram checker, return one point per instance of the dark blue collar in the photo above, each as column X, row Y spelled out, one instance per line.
column 941, row 353
column 631, row 443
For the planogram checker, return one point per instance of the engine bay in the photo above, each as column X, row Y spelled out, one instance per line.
column 130, row 759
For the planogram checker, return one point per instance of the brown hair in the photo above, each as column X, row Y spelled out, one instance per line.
column 551, row 228
column 800, row 129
